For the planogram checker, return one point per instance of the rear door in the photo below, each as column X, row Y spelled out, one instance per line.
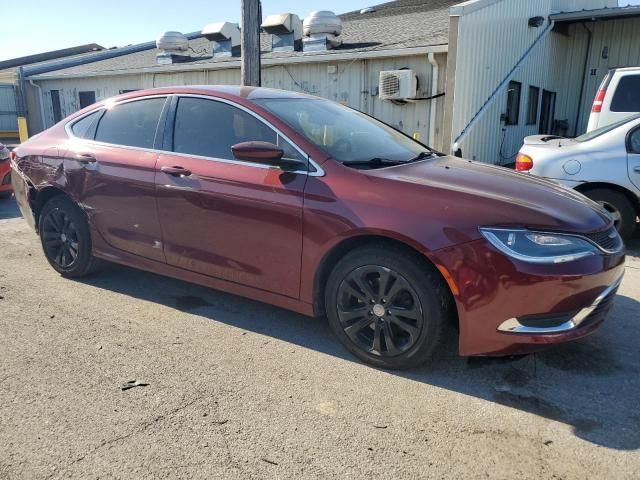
column 234, row 220
column 111, row 168
column 633, row 157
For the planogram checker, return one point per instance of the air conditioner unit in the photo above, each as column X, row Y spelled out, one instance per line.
column 398, row 85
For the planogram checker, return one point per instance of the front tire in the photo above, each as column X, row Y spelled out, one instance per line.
column 65, row 238
column 619, row 207
column 387, row 307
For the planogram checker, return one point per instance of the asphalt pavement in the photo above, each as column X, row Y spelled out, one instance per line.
column 239, row 389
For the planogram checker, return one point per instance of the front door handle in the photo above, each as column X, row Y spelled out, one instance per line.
column 176, row 171
column 636, row 169
column 85, row 158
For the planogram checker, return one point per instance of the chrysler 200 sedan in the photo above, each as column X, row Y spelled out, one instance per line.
column 317, row 208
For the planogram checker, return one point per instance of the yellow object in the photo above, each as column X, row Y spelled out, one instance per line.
column 416, row 136
column 23, row 131
column 9, row 134
column 324, row 136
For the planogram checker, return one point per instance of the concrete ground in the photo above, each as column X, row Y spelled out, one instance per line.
column 238, row 389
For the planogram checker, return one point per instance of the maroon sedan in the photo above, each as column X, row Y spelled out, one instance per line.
column 311, row 206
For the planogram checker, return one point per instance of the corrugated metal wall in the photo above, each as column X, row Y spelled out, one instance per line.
column 8, row 116
column 353, row 83
column 618, row 41
column 490, row 42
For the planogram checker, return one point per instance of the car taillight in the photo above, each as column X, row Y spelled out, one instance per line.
column 13, row 155
column 599, row 100
column 523, row 162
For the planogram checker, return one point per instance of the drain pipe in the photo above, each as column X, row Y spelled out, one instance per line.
column 40, row 102
column 434, row 92
column 584, row 78
column 476, row 118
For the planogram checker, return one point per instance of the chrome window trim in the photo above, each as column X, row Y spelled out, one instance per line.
column 319, row 171
column 513, row 325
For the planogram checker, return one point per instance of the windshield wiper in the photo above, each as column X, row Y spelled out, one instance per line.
column 422, row 155
column 374, row 162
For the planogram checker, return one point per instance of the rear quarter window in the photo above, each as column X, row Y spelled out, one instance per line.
column 132, row 124
column 85, row 127
column 627, row 95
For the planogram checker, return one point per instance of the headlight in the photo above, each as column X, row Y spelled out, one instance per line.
column 538, row 247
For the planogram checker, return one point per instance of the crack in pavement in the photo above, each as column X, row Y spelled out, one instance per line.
column 140, row 429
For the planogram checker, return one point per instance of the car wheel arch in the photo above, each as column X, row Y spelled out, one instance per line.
column 39, row 197
column 587, row 186
column 332, row 257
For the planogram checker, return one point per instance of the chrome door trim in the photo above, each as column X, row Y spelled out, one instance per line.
column 319, row 171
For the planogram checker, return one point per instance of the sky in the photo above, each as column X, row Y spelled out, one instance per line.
column 34, row 26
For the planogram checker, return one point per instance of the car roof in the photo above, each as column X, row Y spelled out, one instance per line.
column 248, row 93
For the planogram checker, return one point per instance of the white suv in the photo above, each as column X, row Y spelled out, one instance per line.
column 618, row 97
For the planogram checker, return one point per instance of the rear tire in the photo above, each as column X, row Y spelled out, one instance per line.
column 386, row 307
column 65, row 238
column 620, row 208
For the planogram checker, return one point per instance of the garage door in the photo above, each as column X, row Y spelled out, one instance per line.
column 8, row 112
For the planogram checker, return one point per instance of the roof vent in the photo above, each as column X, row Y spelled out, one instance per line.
column 367, row 10
column 285, row 30
column 224, row 37
column 321, row 30
column 173, row 47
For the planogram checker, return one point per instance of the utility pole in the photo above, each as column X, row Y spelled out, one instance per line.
column 250, row 43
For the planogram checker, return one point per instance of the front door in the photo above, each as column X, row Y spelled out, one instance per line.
column 111, row 166
column 633, row 158
column 237, row 221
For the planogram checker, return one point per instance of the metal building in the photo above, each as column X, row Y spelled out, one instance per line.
column 500, row 69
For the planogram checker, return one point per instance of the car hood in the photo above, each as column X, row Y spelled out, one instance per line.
column 483, row 194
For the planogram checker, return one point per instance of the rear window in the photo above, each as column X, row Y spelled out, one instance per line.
column 132, row 124
column 627, row 95
column 602, row 130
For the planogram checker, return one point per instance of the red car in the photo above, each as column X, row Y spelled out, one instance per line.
column 314, row 207
column 5, row 173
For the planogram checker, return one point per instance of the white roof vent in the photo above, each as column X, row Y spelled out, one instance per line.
column 321, row 30
column 398, row 84
column 173, row 47
column 285, row 30
column 224, row 37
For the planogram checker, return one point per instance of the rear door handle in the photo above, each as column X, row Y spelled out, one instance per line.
column 85, row 158
column 176, row 171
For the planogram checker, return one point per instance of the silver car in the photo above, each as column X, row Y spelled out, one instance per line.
column 603, row 164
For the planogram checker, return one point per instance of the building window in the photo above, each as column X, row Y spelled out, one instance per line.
column 547, row 112
column 513, row 103
column 532, row 105
column 55, row 105
column 87, row 98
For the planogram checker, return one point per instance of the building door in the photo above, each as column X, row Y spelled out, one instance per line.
column 8, row 111
column 547, row 112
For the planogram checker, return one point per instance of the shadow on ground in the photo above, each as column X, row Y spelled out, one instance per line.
column 9, row 209
column 591, row 385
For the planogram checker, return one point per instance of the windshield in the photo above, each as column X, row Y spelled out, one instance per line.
column 602, row 130
column 345, row 134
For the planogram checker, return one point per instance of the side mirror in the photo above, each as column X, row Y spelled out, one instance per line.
column 266, row 153
column 260, row 152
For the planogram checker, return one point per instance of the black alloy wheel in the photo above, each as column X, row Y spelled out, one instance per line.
column 60, row 238
column 379, row 311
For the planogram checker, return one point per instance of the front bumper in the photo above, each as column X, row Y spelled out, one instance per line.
column 509, row 307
